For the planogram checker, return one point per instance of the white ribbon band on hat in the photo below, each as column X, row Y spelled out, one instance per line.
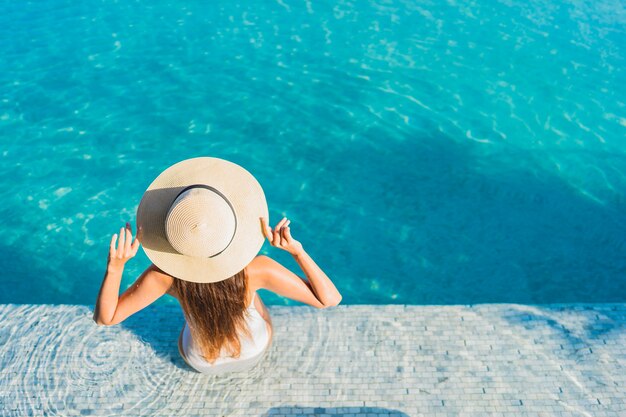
column 201, row 222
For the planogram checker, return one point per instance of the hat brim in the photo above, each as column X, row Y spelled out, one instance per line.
column 241, row 189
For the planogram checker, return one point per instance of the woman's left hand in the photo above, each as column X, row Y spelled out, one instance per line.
column 125, row 250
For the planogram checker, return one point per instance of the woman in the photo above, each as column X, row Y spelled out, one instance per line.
column 202, row 223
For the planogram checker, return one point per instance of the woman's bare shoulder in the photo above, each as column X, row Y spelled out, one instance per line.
column 165, row 279
column 258, row 269
column 158, row 273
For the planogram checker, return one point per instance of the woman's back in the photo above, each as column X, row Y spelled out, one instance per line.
column 254, row 339
column 252, row 346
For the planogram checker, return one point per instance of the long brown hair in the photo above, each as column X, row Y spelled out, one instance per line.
column 215, row 313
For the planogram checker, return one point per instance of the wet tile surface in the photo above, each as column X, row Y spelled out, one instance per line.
column 493, row 359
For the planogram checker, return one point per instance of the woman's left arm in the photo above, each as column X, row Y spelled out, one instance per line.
column 110, row 307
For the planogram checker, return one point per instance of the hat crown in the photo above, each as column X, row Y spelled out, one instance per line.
column 200, row 222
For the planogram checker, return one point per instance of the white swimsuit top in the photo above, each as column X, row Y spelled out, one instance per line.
column 251, row 348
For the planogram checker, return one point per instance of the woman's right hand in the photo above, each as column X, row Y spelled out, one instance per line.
column 280, row 237
column 126, row 248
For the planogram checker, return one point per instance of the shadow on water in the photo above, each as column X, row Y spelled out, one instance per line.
column 287, row 411
column 460, row 223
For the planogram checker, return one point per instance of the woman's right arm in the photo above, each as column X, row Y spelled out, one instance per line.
column 317, row 290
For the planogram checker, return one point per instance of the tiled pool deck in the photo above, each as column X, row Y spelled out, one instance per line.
column 495, row 359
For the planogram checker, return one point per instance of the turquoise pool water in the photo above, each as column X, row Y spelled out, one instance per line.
column 426, row 152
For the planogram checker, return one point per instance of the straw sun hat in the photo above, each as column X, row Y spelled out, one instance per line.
column 200, row 219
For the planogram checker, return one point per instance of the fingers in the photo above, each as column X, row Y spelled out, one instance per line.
column 129, row 239
column 267, row 231
column 283, row 238
column 280, row 223
column 122, row 242
column 277, row 230
column 112, row 246
column 281, row 235
column 126, row 247
column 287, row 234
